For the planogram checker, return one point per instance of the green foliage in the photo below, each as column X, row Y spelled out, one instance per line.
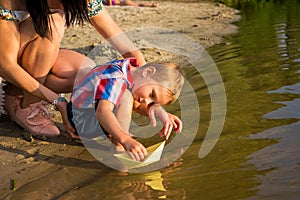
column 242, row 3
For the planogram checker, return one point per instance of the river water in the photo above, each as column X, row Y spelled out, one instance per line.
column 261, row 66
column 257, row 155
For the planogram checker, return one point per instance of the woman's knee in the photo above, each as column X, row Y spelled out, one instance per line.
column 37, row 51
column 69, row 62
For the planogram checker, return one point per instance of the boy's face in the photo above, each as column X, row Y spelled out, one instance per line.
column 149, row 92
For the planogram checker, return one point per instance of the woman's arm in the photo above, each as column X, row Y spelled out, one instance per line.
column 107, row 27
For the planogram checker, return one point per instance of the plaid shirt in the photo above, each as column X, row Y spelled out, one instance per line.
column 104, row 82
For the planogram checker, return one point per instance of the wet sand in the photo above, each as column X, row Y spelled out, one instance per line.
column 25, row 159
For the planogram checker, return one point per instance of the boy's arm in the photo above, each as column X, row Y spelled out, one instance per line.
column 109, row 122
column 169, row 120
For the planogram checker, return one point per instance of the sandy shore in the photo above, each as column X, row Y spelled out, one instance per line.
column 25, row 159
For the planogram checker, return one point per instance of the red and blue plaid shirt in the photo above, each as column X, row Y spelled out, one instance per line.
column 104, row 82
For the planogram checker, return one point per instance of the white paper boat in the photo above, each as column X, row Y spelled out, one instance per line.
column 154, row 155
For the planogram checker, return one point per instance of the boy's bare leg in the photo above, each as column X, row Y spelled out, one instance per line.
column 123, row 114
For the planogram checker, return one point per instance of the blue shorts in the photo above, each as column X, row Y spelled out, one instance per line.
column 84, row 121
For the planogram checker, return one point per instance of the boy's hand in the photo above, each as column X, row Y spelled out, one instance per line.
column 135, row 149
column 169, row 121
column 177, row 123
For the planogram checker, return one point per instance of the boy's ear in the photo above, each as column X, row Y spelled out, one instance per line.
column 148, row 71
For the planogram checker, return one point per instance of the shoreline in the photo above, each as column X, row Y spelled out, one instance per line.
column 25, row 159
column 206, row 23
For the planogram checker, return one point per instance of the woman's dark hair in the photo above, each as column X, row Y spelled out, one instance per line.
column 76, row 12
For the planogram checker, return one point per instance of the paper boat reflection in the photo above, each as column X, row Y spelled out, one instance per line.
column 154, row 155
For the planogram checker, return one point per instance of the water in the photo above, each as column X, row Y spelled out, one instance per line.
column 261, row 69
column 258, row 153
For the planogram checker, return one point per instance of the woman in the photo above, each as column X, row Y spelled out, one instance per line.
column 32, row 61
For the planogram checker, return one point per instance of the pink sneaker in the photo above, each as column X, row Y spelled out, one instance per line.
column 11, row 104
column 37, row 120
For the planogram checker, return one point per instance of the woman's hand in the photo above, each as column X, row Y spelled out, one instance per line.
column 169, row 121
column 135, row 149
column 62, row 107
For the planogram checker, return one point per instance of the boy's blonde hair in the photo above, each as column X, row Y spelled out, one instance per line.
column 170, row 75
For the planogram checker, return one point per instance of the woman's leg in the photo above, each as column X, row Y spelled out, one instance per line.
column 37, row 55
column 68, row 67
